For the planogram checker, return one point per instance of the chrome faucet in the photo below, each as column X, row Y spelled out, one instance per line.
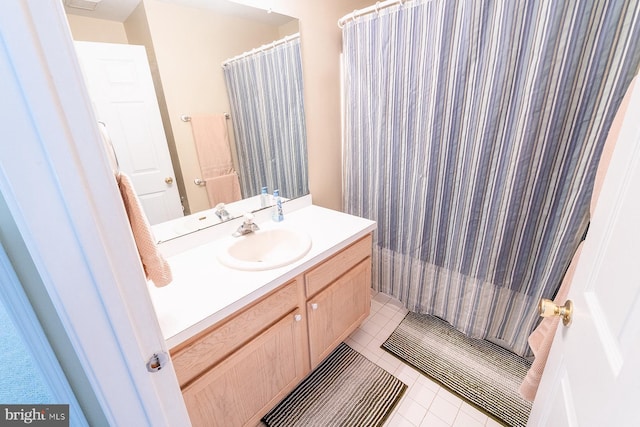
column 248, row 226
column 222, row 213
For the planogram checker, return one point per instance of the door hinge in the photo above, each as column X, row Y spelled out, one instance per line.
column 157, row 361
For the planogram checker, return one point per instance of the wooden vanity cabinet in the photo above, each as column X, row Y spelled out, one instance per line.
column 339, row 298
column 238, row 369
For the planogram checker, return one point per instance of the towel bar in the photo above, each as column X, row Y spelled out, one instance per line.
column 187, row 118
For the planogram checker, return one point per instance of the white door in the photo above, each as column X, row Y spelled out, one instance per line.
column 121, row 89
column 56, row 185
column 592, row 377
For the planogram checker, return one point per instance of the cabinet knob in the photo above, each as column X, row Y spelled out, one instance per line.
column 314, row 306
column 297, row 317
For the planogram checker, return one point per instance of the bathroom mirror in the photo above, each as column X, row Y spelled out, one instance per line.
column 186, row 42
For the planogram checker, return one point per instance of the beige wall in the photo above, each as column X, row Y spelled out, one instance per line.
column 96, row 30
column 288, row 29
column 321, row 48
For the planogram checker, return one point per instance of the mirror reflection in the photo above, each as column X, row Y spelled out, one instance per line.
column 186, row 44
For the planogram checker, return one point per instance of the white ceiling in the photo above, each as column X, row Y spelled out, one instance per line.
column 119, row 10
column 111, row 10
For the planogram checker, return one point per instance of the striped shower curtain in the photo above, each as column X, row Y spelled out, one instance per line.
column 472, row 133
column 267, row 111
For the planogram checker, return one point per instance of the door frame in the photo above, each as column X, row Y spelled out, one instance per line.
column 58, row 186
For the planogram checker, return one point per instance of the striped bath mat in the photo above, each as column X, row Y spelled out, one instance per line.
column 345, row 390
column 483, row 373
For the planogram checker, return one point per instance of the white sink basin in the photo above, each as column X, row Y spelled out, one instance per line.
column 265, row 249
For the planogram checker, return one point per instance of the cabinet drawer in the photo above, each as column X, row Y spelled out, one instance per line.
column 208, row 348
column 319, row 277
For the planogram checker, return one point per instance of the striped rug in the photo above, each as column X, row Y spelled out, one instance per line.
column 482, row 373
column 345, row 390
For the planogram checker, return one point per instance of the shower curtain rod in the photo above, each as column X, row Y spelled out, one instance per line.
column 367, row 10
column 262, row 48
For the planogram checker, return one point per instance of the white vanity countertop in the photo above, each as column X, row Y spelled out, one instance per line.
column 204, row 291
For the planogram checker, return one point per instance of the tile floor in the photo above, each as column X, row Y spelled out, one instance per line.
column 424, row 403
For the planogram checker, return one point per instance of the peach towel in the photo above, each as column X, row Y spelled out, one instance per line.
column 541, row 338
column 223, row 189
column 214, row 155
column 155, row 266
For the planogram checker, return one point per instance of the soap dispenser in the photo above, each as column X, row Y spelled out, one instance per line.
column 277, row 215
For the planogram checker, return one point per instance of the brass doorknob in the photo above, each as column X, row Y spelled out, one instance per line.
column 548, row 308
column 169, row 180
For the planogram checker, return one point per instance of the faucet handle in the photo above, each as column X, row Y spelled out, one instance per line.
column 248, row 218
column 248, row 223
column 248, row 226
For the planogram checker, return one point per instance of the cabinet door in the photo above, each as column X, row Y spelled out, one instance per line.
column 243, row 387
column 338, row 310
column 198, row 355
